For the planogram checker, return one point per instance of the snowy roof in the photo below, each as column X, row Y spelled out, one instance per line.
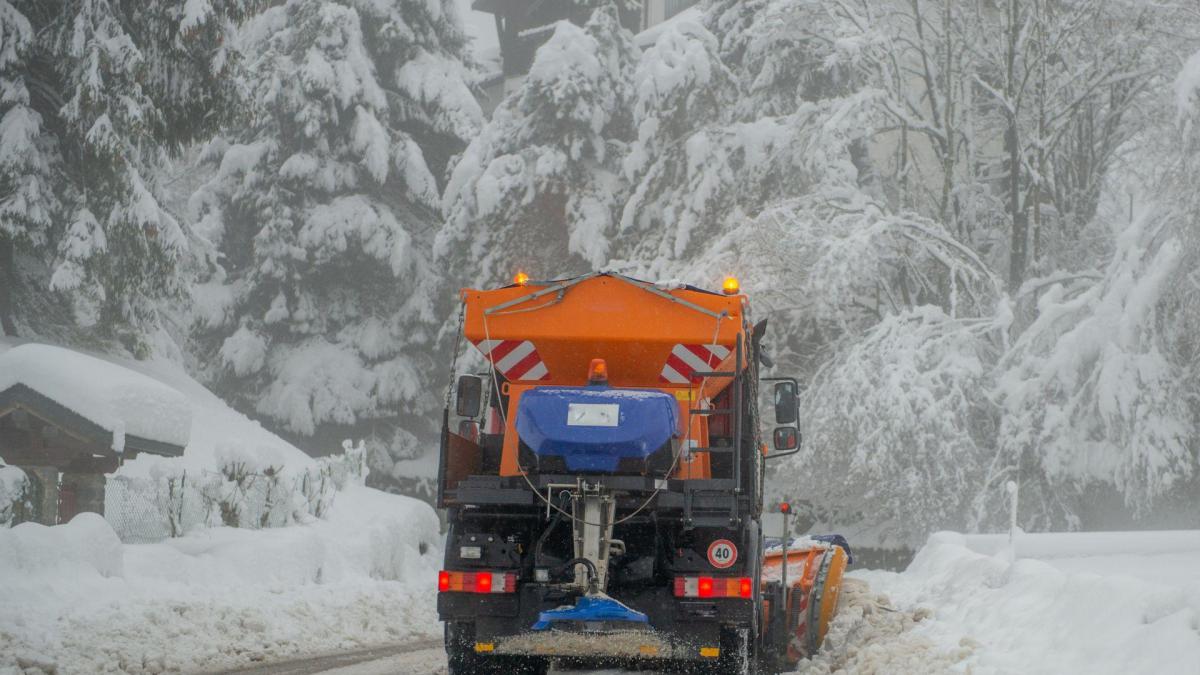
column 118, row 400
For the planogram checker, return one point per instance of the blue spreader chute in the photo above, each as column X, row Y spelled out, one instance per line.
column 593, row 428
column 590, row 609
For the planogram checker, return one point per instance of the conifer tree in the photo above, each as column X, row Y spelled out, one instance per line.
column 94, row 92
column 318, row 306
column 540, row 186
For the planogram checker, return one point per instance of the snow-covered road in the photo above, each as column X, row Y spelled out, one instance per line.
column 424, row 657
column 74, row 601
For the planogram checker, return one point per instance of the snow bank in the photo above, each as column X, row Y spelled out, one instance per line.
column 74, row 600
column 868, row 635
column 117, row 399
column 1034, row 616
column 84, row 546
column 1049, row 545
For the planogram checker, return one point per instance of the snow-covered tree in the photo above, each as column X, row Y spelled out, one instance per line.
column 93, row 92
column 28, row 199
column 699, row 167
column 539, row 187
column 1092, row 392
column 1101, row 389
column 321, row 308
column 785, row 52
column 893, row 325
column 899, row 427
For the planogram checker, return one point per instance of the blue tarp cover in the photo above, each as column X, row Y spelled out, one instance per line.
column 645, row 419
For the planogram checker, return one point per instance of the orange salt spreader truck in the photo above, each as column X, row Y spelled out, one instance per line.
column 603, row 480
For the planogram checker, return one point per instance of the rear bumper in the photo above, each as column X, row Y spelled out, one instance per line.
column 679, row 629
column 605, row 645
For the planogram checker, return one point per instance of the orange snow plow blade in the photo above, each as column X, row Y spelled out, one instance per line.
column 814, row 581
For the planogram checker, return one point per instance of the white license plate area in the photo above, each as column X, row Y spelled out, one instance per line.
column 593, row 414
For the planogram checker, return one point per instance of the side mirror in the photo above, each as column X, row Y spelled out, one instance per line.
column 787, row 402
column 786, row 438
column 469, row 394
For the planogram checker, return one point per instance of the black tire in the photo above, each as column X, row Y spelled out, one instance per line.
column 737, row 654
column 460, row 651
column 462, row 658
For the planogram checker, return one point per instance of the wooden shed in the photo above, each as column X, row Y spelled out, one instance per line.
column 67, row 419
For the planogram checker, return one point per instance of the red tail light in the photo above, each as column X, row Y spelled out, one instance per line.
column 477, row 582
column 714, row 587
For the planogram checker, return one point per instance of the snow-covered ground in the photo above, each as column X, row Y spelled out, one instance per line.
column 73, row 599
column 1109, row 603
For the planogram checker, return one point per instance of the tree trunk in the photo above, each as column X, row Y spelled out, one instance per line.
column 8, row 279
column 1020, row 220
column 1012, row 143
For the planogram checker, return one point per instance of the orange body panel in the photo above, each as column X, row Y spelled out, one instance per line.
column 603, row 317
column 632, row 329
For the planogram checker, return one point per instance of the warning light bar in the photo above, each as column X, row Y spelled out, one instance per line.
column 477, row 582
column 713, row 587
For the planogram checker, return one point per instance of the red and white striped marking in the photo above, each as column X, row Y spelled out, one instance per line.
column 515, row 359
column 685, row 360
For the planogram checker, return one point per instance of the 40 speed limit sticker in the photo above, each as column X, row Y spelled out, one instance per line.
column 722, row 554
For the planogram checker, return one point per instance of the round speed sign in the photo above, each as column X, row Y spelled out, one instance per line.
column 722, row 554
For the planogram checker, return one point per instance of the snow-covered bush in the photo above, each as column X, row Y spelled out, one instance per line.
column 245, row 492
column 14, row 495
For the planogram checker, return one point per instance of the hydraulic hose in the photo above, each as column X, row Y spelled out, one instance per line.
column 593, row 575
column 541, row 542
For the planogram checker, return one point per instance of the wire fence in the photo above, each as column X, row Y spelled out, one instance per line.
column 239, row 494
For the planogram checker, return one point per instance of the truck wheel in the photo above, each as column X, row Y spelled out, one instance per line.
column 460, row 651
column 528, row 665
column 737, row 654
column 464, row 660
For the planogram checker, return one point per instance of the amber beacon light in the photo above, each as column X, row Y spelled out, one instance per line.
column 520, row 278
column 731, row 286
column 598, row 372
